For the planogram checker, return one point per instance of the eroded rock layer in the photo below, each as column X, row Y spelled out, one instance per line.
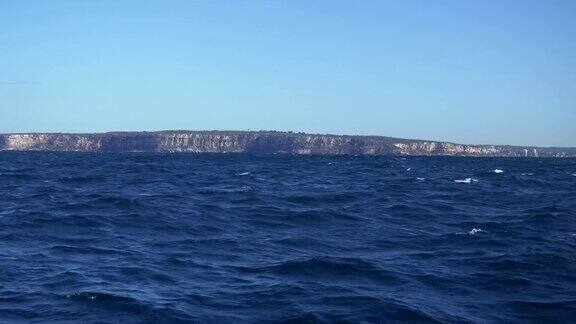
column 261, row 142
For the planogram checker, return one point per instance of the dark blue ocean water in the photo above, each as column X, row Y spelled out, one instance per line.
column 244, row 238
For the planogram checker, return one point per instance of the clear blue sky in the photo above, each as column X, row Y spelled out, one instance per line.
column 500, row 71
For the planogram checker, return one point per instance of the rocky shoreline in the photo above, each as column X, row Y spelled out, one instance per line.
column 262, row 142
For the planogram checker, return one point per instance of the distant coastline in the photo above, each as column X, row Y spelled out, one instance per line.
column 263, row 142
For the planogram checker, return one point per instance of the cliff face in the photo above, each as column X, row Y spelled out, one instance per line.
column 262, row 142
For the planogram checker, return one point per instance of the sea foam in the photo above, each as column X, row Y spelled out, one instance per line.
column 467, row 180
column 475, row 231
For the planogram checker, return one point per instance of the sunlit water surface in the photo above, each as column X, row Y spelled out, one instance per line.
column 244, row 238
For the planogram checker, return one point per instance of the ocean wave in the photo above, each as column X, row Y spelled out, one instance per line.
column 127, row 305
column 187, row 238
column 80, row 179
column 466, row 180
column 325, row 268
column 216, row 191
column 475, row 231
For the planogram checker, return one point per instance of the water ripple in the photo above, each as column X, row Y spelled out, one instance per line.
column 270, row 238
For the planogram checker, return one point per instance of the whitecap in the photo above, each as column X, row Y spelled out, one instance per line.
column 475, row 231
column 243, row 174
column 527, row 174
column 409, row 169
column 574, row 174
column 498, row 171
column 467, row 180
column 420, row 179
